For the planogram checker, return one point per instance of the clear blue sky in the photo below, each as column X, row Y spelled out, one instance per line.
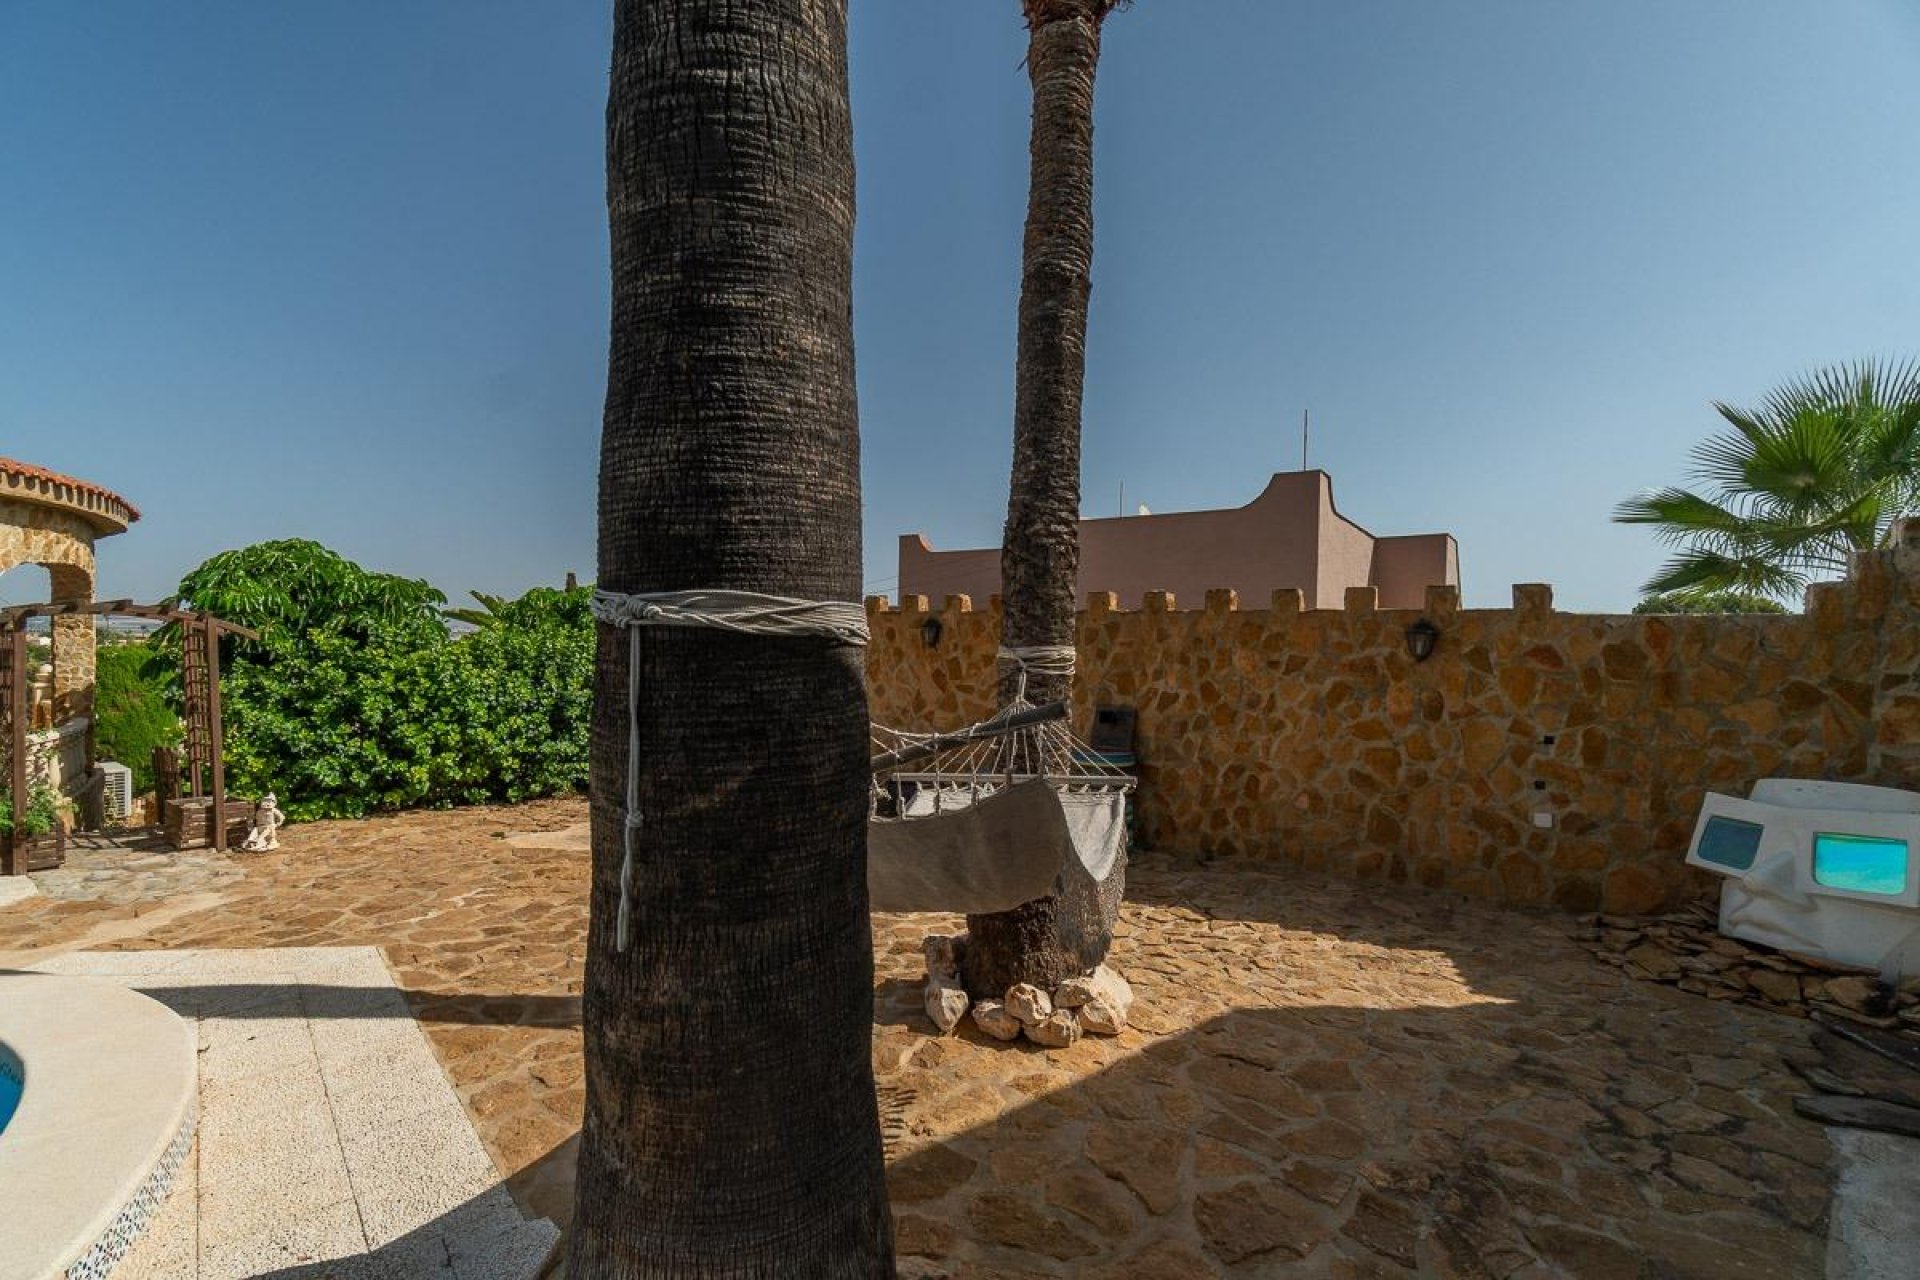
column 339, row 271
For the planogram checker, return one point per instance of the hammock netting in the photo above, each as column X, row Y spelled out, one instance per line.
column 994, row 820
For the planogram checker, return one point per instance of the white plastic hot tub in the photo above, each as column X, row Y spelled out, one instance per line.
column 104, row 1122
column 1824, row 868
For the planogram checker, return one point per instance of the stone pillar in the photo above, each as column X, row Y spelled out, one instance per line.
column 73, row 662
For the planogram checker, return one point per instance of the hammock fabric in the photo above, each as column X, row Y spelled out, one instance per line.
column 994, row 823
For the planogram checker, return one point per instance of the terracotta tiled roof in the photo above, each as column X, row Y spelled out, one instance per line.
column 27, row 470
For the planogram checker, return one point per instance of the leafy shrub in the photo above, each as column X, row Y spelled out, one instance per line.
column 517, row 702
column 292, row 589
column 43, row 810
column 134, row 708
column 1709, row 602
column 356, row 699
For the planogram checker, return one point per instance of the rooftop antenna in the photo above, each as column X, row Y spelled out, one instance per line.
column 1303, row 439
column 1123, row 497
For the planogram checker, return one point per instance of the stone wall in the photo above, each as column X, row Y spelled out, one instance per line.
column 61, row 542
column 1311, row 736
column 35, row 534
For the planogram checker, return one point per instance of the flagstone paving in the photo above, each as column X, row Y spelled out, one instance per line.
column 1324, row 1078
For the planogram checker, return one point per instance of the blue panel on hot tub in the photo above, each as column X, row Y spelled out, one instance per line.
column 1729, row 843
column 1860, row 864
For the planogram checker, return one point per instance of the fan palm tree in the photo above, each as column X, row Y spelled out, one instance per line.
column 1045, row 941
column 731, row 1127
column 1818, row 471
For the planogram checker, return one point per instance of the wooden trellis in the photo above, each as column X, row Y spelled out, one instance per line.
column 205, row 770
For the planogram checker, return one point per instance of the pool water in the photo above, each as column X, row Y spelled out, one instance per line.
column 10, row 1086
column 1860, row 864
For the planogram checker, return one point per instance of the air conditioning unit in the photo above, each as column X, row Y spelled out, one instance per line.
column 119, row 790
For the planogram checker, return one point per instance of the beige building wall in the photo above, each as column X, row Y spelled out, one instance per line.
column 1291, row 536
column 1404, row 567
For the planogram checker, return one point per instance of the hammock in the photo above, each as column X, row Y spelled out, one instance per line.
column 1001, row 813
column 998, row 814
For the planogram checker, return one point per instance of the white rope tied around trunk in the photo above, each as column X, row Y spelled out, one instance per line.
column 1037, row 659
column 744, row 612
column 747, row 612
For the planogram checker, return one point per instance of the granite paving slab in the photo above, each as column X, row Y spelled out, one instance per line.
column 331, row 1144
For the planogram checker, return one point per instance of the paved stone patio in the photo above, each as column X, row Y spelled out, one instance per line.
column 1325, row 1078
column 134, row 868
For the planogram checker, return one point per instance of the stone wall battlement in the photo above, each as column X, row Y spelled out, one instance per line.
column 1537, row 757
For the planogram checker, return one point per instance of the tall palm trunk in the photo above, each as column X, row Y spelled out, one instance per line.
column 1043, row 942
column 731, row 1128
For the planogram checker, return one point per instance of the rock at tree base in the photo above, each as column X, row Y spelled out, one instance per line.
column 1074, row 992
column 1109, row 999
column 946, row 1004
column 1056, row 1031
column 943, row 955
column 992, row 1017
column 1028, row 1003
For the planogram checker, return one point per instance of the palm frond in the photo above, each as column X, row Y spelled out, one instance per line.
column 1699, row 573
column 1812, row 474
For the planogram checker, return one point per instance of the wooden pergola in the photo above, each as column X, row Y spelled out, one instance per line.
column 204, row 771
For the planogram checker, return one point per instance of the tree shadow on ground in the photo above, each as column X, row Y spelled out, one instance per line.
column 485, row 1238
column 317, row 1000
column 1338, row 1079
column 1369, row 1143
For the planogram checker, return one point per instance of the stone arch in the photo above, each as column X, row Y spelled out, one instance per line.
column 60, row 542
column 53, row 521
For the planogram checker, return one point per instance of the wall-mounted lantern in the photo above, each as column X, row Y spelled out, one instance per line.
column 930, row 632
column 1421, row 637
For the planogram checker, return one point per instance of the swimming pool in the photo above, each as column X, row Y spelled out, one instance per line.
column 12, row 1081
column 101, row 1127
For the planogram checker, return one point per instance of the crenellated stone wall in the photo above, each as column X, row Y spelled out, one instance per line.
column 1312, row 736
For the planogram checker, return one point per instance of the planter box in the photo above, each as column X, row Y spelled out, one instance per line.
column 189, row 823
column 36, row 853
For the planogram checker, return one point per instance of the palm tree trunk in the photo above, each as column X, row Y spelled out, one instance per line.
column 1045, row 941
column 731, row 1128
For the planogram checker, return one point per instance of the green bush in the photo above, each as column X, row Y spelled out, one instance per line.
column 134, row 708
column 1709, row 602
column 516, row 703
column 43, row 810
column 356, row 698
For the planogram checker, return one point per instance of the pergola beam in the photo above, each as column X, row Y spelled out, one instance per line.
column 13, row 620
column 16, row 615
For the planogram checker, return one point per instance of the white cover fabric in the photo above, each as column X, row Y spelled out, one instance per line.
column 1006, row 849
column 1776, row 901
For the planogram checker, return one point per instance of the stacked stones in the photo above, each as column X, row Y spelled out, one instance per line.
column 1687, row 950
column 1096, row 1003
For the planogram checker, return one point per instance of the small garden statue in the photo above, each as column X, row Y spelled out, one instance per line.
column 267, row 821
